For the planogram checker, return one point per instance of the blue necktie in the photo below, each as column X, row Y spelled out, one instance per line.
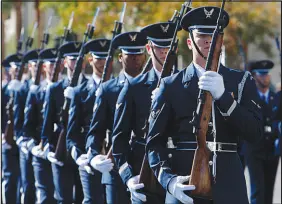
column 263, row 98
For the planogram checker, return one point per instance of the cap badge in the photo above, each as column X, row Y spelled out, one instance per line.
column 165, row 28
column 208, row 13
column 264, row 64
column 54, row 51
column 102, row 43
column 133, row 38
column 76, row 45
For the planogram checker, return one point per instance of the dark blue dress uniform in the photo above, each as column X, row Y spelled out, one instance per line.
column 171, row 141
column 132, row 110
column 27, row 174
column 64, row 176
column 10, row 156
column 103, row 114
column 171, row 114
column 80, row 115
column 261, row 159
column 32, row 129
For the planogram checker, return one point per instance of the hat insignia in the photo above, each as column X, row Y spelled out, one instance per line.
column 133, row 38
column 165, row 28
column 208, row 13
column 264, row 64
column 76, row 45
column 54, row 52
column 102, row 43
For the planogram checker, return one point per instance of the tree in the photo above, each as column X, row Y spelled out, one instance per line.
column 250, row 21
column 6, row 8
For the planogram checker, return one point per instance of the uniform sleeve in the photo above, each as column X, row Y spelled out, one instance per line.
column 157, row 138
column 30, row 120
column 245, row 117
column 74, row 125
column 122, row 133
column 19, row 105
column 98, row 126
column 48, row 118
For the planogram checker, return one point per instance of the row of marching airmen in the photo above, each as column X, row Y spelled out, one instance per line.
column 137, row 136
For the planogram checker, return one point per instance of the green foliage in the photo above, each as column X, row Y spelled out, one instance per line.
column 250, row 21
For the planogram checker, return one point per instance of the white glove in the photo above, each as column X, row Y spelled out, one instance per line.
column 82, row 160
column 49, row 84
column 69, row 92
column 133, row 185
column 5, row 144
column 212, row 82
column 52, row 159
column 36, row 151
column 15, row 85
column 176, row 188
column 101, row 163
column 154, row 92
column 33, row 88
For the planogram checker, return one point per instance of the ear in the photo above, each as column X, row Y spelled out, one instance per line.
column 148, row 48
column 120, row 57
column 189, row 43
column 90, row 59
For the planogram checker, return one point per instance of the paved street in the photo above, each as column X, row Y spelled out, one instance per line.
column 277, row 187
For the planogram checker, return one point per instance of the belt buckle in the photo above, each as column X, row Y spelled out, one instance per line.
column 212, row 146
column 267, row 129
column 219, row 147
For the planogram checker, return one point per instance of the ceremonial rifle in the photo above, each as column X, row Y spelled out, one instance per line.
column 200, row 175
column 67, row 31
column 9, row 129
column 44, row 42
column 61, row 148
column 57, row 65
column 151, row 185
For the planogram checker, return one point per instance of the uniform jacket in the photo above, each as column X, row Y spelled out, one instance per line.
column 130, row 120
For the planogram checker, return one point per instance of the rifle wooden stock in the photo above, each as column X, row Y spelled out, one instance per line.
column 200, row 173
column 9, row 129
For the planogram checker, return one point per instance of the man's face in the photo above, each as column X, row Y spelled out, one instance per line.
column 13, row 71
column 32, row 69
column 203, row 41
column 70, row 63
column 160, row 53
column 132, row 63
column 262, row 80
column 97, row 65
column 48, row 68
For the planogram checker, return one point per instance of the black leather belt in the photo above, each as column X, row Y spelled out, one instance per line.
column 213, row 146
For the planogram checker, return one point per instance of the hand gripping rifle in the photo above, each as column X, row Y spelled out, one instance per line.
column 200, row 173
column 151, row 184
column 9, row 129
column 61, row 149
column 67, row 31
column 116, row 31
column 149, row 64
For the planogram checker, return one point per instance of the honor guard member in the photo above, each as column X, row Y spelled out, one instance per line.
column 80, row 114
column 171, row 141
column 64, row 174
column 27, row 174
column 261, row 160
column 132, row 111
column 132, row 58
column 10, row 152
column 32, row 129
